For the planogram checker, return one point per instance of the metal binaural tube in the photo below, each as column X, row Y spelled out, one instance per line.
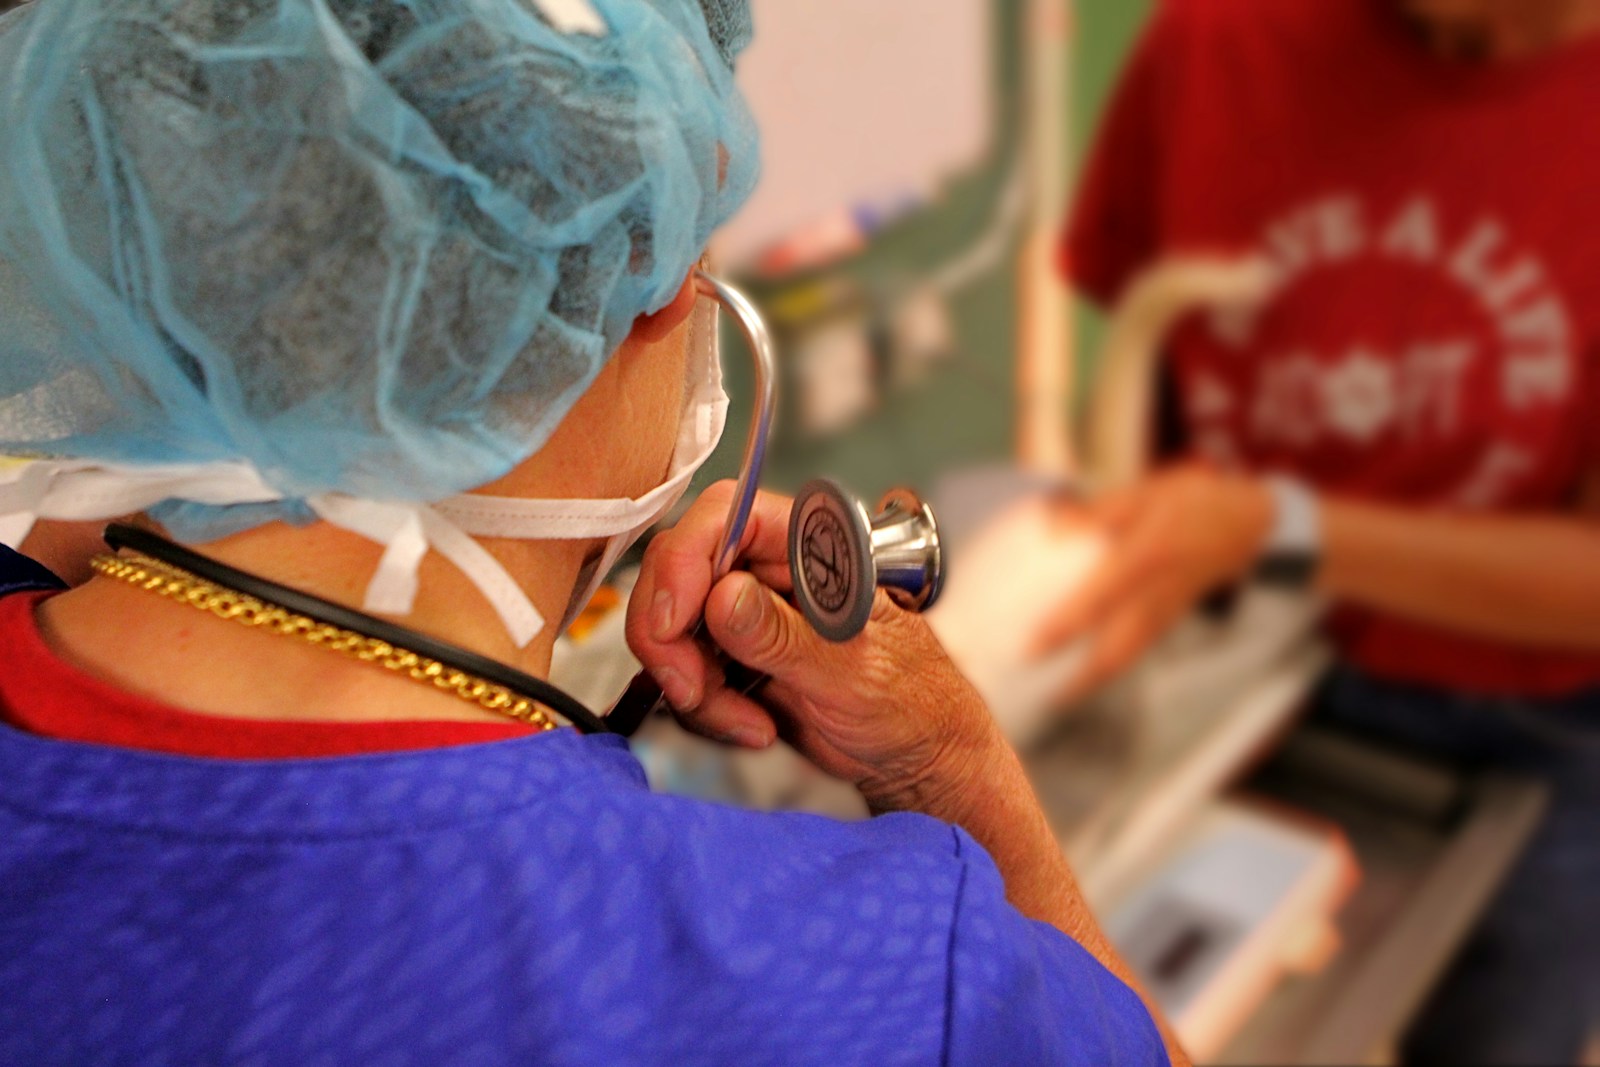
column 765, row 359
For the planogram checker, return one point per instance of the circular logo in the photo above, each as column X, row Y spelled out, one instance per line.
column 826, row 560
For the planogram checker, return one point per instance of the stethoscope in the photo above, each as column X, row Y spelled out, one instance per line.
column 839, row 556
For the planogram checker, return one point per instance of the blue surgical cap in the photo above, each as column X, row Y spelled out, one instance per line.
column 372, row 247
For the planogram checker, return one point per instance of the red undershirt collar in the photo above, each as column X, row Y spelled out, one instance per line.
column 45, row 695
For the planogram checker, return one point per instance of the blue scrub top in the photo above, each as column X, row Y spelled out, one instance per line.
column 527, row 902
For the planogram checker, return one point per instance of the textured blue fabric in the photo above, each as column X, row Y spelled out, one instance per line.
column 524, row 902
column 376, row 247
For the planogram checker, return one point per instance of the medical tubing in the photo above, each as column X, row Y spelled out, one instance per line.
column 120, row 535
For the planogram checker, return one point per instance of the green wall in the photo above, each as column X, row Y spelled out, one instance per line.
column 1107, row 29
column 964, row 413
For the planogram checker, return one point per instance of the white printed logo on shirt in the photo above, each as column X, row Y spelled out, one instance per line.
column 1366, row 394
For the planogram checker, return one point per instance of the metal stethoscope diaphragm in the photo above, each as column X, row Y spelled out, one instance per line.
column 839, row 555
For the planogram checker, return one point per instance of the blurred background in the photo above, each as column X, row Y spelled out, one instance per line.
column 1299, row 878
column 887, row 240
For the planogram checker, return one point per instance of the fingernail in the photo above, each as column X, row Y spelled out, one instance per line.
column 746, row 609
column 679, row 693
column 661, row 616
column 750, row 737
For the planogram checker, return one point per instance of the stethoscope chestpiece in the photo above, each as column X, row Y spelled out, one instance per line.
column 839, row 556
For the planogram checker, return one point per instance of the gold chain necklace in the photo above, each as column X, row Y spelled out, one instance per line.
column 179, row 585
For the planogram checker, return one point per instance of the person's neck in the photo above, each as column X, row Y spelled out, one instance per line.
column 1499, row 38
column 1578, row 20
column 171, row 653
column 1584, row 22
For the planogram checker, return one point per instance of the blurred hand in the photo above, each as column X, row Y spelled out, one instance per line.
column 1172, row 540
column 885, row 711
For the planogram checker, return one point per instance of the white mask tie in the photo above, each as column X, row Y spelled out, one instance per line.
column 74, row 490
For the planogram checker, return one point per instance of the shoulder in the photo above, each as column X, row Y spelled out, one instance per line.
column 1021, row 991
column 906, row 902
column 906, row 920
column 828, row 941
column 915, row 856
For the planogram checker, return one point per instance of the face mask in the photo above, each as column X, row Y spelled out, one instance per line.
column 620, row 522
column 82, row 491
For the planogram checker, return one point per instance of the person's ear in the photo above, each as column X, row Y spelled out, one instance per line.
column 657, row 325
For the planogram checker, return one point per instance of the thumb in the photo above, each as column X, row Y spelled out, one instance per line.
column 758, row 628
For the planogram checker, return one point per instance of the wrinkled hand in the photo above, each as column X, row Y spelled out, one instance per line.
column 886, row 711
column 1173, row 539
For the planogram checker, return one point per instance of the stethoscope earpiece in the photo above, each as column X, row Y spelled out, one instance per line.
column 839, row 556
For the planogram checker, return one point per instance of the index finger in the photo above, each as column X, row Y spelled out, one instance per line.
column 676, row 575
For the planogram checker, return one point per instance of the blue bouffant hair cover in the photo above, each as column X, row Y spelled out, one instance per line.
column 371, row 247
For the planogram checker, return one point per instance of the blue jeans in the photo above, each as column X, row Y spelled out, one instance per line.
column 1525, row 989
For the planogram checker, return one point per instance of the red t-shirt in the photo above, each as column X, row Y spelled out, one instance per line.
column 1433, row 337
column 45, row 695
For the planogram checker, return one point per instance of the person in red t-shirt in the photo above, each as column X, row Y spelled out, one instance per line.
column 1420, row 389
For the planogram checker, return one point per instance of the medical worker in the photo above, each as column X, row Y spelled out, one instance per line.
column 384, row 313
